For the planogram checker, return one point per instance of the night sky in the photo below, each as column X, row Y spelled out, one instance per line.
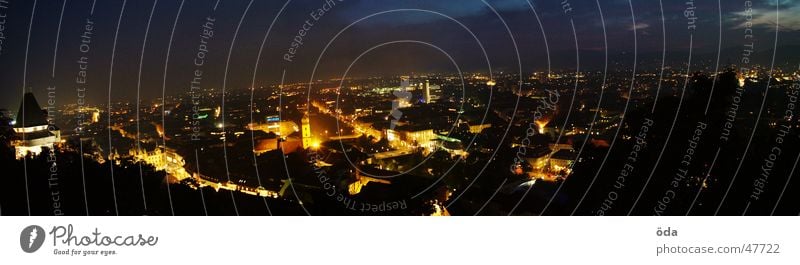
column 498, row 26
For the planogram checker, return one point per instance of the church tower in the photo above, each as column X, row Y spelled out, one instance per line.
column 306, row 124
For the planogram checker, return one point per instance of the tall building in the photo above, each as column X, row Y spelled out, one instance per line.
column 306, row 124
column 427, row 92
column 33, row 132
column 435, row 92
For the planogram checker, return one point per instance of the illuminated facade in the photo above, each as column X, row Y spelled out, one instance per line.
column 306, row 128
column 406, row 137
column 561, row 162
column 550, row 163
column 280, row 128
column 478, row 128
column 429, row 92
column 163, row 159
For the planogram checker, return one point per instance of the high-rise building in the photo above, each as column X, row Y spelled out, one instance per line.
column 436, row 91
column 33, row 132
column 427, row 92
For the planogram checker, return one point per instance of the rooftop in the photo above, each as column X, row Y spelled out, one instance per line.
column 30, row 114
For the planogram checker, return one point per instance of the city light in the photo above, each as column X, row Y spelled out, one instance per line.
column 483, row 129
column 315, row 144
column 540, row 125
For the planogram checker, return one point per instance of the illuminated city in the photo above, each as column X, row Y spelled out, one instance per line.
column 212, row 117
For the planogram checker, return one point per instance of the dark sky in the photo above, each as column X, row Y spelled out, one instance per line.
column 438, row 23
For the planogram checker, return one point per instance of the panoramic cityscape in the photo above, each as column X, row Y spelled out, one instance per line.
column 399, row 108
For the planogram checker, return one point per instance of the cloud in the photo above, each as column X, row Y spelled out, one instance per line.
column 786, row 18
column 639, row 26
column 456, row 9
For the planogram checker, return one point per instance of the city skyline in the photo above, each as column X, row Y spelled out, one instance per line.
column 337, row 107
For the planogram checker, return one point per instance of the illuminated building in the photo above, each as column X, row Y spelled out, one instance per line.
column 306, row 123
column 162, row 159
column 478, row 128
column 537, row 157
column 94, row 115
column 561, row 161
column 286, row 145
column 541, row 125
column 434, row 92
column 402, row 96
column 427, row 92
column 275, row 125
column 33, row 132
column 412, row 136
column 741, row 81
column 439, row 210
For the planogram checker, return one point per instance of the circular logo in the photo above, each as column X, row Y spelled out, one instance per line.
column 31, row 238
